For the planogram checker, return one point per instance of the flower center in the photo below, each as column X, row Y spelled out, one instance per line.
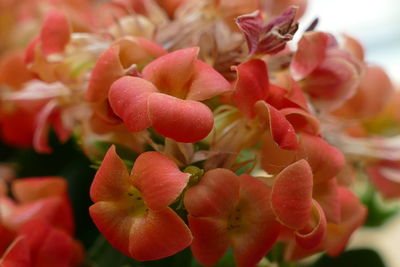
column 138, row 207
column 235, row 220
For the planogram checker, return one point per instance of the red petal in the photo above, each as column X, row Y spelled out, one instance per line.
column 128, row 98
column 260, row 229
column 385, row 177
column 7, row 236
column 327, row 195
column 108, row 69
column 158, row 179
column 43, row 120
column 171, row 72
column 158, row 235
column 310, row 53
column 251, row 86
column 210, row 240
column 35, row 188
column 313, row 235
column 325, row 160
column 215, row 195
column 55, row 33
column 353, row 214
column 206, row 83
column 292, row 195
column 282, row 131
column 182, row 120
column 112, row 179
column 17, row 255
column 302, row 120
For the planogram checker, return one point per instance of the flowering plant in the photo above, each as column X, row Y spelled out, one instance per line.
column 212, row 134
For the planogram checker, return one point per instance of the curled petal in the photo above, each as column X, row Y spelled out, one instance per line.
column 171, row 72
column 34, row 188
column 302, row 120
column 182, row 120
column 128, row 98
column 325, row 160
column 215, row 195
column 251, row 85
column 158, row 179
column 111, row 180
column 310, row 239
column 211, row 239
column 282, row 131
column 55, row 33
column 327, row 195
column 292, row 195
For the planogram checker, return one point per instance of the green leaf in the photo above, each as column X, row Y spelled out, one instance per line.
column 352, row 258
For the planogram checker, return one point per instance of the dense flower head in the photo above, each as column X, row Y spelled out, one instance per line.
column 237, row 140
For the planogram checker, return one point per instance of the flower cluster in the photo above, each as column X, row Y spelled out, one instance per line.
column 239, row 139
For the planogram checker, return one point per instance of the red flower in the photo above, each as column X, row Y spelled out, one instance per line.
column 132, row 211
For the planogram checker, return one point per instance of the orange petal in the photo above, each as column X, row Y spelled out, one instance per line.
column 158, row 179
column 182, row 120
column 302, row 120
column 128, row 98
column 292, row 195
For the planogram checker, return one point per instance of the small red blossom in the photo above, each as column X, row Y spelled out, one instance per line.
column 132, row 211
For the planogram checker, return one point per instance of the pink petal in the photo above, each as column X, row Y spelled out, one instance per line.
column 34, row 188
column 251, row 86
column 108, row 69
column 17, row 255
column 292, row 195
column 302, row 120
column 55, row 33
column 385, row 177
column 128, row 98
column 215, row 195
column 327, row 195
column 43, row 120
column 158, row 179
column 260, row 229
column 310, row 53
column 210, row 240
column 282, row 131
column 158, row 235
column 112, row 179
column 325, row 160
column 206, row 83
column 312, row 236
column 182, row 120
column 252, row 27
column 171, row 72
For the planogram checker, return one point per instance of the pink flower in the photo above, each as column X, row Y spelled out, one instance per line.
column 132, row 211
column 168, row 96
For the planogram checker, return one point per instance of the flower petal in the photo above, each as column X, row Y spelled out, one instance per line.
column 171, row 72
column 260, row 229
column 210, row 239
column 282, row 131
column 215, row 195
column 111, row 180
column 327, row 195
column 251, row 86
column 17, row 254
column 292, row 195
column 158, row 179
column 55, row 33
column 128, row 98
column 157, row 235
column 182, row 120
